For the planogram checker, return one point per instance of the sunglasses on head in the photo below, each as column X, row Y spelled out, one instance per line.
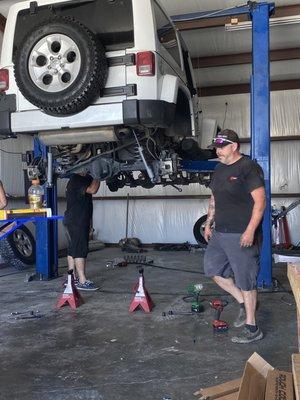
column 220, row 140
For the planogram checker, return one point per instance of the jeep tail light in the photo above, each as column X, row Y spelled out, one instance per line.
column 4, row 80
column 145, row 63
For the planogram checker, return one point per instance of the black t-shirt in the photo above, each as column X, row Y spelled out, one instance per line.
column 231, row 186
column 79, row 203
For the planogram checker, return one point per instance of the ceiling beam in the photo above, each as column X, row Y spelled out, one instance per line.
column 283, row 11
column 243, row 58
column 2, row 23
column 245, row 88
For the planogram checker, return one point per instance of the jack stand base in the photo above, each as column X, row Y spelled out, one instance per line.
column 71, row 295
column 34, row 277
column 141, row 297
column 144, row 302
column 37, row 277
column 275, row 286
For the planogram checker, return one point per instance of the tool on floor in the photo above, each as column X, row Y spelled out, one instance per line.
column 193, row 296
column 24, row 312
column 116, row 262
column 141, row 296
column 218, row 324
column 129, row 259
column 137, row 259
column 32, row 315
column 27, row 315
column 174, row 312
column 71, row 295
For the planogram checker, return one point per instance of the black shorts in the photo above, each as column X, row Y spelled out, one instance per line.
column 78, row 240
column 225, row 257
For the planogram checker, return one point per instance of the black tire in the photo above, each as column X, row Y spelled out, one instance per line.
column 18, row 249
column 199, row 231
column 82, row 87
column 287, row 252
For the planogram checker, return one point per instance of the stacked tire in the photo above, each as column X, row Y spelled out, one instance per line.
column 198, row 231
column 18, row 249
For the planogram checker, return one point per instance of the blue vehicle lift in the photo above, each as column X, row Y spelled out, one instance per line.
column 47, row 232
column 260, row 111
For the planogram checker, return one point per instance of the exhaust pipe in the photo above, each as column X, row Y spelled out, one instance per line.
column 78, row 136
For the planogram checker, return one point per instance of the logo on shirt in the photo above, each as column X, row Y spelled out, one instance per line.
column 233, row 178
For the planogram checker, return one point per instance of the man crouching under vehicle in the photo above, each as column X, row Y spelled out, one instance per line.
column 77, row 221
column 236, row 208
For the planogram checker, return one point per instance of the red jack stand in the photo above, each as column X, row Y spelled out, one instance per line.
column 70, row 295
column 141, row 297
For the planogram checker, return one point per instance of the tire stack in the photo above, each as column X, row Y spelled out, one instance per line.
column 18, row 249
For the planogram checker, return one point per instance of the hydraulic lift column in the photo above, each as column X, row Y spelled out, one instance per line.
column 260, row 124
column 47, row 230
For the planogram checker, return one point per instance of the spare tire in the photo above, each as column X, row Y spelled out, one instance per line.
column 60, row 66
column 199, row 231
column 18, row 249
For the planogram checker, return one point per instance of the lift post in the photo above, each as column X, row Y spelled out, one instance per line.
column 46, row 231
column 260, row 125
column 260, row 109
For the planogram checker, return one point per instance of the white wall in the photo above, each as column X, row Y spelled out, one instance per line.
column 285, row 112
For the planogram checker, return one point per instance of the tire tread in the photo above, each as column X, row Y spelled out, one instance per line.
column 78, row 99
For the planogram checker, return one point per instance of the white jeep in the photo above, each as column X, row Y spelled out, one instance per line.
column 107, row 84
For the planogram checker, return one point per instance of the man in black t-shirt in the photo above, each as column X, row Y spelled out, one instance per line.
column 236, row 208
column 78, row 219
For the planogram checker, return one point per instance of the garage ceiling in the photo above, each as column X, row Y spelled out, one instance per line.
column 222, row 60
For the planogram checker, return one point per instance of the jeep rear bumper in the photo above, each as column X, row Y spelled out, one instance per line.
column 156, row 113
column 95, row 115
column 150, row 113
column 7, row 106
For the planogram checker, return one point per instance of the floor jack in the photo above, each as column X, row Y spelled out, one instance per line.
column 219, row 325
column 141, row 296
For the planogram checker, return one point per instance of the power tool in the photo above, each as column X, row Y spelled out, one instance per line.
column 194, row 296
column 218, row 306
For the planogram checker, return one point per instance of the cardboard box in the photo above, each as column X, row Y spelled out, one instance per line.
column 296, row 374
column 232, row 396
column 252, row 386
column 220, row 391
column 254, row 378
column 279, row 386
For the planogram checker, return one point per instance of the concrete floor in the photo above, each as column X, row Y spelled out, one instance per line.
column 101, row 352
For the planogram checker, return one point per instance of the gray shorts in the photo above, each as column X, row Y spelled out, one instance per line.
column 225, row 257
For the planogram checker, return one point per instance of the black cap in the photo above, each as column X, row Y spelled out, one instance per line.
column 223, row 138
